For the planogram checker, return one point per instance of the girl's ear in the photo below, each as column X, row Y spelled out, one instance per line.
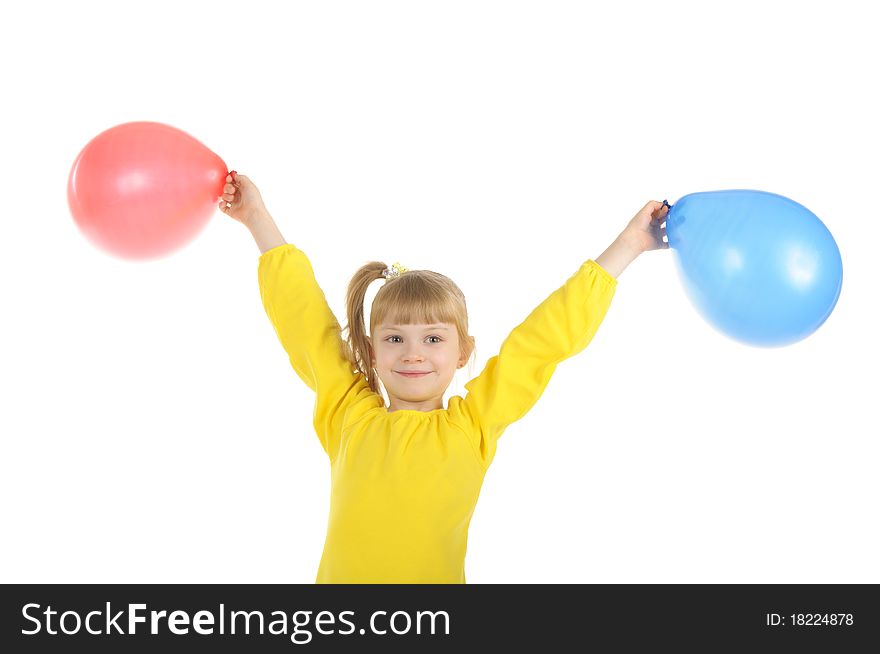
column 372, row 355
column 463, row 359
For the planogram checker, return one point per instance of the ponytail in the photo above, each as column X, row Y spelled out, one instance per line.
column 359, row 348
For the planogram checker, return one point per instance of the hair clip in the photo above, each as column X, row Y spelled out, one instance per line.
column 394, row 271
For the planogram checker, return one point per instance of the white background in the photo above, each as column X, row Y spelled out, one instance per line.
column 152, row 428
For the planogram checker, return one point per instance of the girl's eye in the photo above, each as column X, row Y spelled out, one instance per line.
column 391, row 338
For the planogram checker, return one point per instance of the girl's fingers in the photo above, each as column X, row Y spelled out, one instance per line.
column 659, row 214
column 229, row 192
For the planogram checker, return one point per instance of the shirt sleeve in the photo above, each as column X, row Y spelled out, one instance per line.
column 560, row 327
column 310, row 334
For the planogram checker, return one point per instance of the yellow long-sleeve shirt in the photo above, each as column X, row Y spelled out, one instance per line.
column 404, row 484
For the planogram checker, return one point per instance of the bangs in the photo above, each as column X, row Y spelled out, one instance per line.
column 412, row 300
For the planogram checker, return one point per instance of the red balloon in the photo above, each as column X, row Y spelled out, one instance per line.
column 143, row 190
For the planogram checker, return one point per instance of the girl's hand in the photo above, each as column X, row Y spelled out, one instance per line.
column 241, row 199
column 644, row 232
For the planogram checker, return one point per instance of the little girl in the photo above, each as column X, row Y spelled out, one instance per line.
column 405, row 478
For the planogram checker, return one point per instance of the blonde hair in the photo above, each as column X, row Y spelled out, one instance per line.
column 413, row 297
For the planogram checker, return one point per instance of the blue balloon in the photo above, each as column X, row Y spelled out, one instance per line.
column 759, row 267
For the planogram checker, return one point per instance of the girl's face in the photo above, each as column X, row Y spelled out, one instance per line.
column 431, row 350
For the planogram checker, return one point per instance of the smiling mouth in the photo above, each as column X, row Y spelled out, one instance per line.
column 412, row 374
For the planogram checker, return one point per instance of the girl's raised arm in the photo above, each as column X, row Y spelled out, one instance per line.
column 242, row 201
column 514, row 379
column 298, row 310
column 557, row 329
